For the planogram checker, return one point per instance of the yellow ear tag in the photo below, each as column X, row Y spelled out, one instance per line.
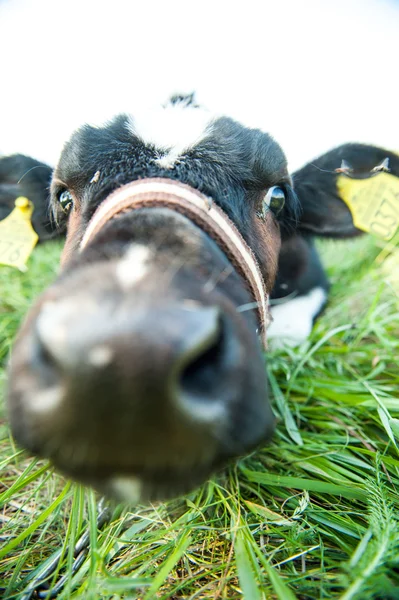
column 17, row 236
column 373, row 202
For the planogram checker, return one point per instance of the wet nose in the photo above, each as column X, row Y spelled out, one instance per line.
column 163, row 341
column 153, row 380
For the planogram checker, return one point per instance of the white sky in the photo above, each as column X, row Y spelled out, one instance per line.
column 314, row 73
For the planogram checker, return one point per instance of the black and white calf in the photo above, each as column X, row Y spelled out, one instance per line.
column 24, row 176
column 140, row 371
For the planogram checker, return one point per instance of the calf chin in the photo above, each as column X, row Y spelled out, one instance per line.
column 137, row 393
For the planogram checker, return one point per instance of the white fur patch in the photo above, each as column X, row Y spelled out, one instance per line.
column 127, row 489
column 172, row 129
column 100, row 356
column 133, row 266
column 45, row 401
column 293, row 320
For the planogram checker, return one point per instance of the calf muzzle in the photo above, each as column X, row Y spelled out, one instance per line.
column 138, row 393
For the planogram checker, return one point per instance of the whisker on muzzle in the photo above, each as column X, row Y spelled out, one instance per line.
column 220, row 277
column 248, row 306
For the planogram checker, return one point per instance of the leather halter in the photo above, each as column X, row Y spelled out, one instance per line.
column 167, row 193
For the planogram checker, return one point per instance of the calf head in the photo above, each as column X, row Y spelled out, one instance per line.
column 140, row 371
column 24, row 176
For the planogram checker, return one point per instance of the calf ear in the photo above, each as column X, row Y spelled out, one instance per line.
column 24, row 176
column 329, row 183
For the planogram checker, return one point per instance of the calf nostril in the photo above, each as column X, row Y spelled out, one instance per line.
column 199, row 374
column 202, row 384
column 52, row 330
column 198, row 329
column 67, row 337
column 44, row 363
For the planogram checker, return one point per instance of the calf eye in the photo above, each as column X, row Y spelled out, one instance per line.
column 274, row 200
column 66, row 201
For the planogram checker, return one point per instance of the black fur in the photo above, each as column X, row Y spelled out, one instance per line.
column 24, row 176
column 323, row 213
column 130, row 417
column 233, row 165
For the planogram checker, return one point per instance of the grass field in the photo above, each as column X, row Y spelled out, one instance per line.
column 312, row 516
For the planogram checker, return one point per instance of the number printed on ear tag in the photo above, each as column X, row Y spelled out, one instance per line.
column 17, row 236
column 373, row 202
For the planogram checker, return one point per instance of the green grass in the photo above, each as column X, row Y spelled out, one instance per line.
column 312, row 516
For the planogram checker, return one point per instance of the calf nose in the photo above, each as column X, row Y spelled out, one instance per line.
column 149, row 379
column 78, row 342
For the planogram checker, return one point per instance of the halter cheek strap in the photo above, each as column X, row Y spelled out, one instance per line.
column 158, row 192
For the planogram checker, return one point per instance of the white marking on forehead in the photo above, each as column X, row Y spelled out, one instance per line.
column 169, row 159
column 293, row 320
column 127, row 489
column 172, row 129
column 44, row 401
column 133, row 266
column 100, row 356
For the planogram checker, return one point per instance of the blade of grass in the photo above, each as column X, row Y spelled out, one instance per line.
column 180, row 548
column 36, row 524
column 246, row 575
column 312, row 485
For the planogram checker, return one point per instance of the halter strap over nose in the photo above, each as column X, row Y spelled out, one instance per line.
column 160, row 192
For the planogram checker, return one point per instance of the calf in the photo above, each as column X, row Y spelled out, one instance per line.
column 141, row 370
column 24, row 176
